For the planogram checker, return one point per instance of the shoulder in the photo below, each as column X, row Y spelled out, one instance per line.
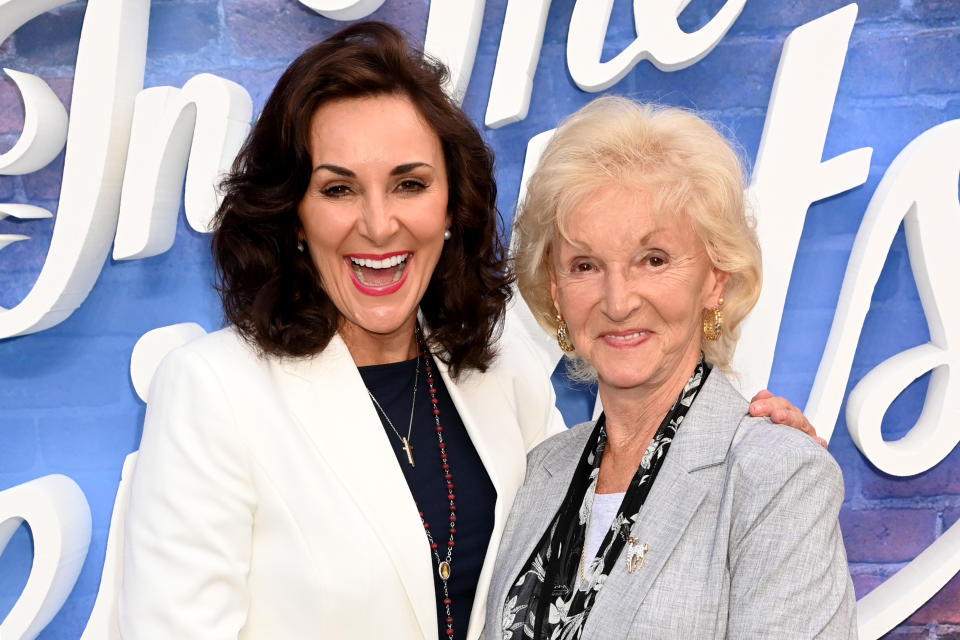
column 570, row 441
column 772, row 464
column 198, row 406
column 224, row 351
column 756, row 445
column 218, row 361
column 764, row 449
column 761, row 456
column 219, row 348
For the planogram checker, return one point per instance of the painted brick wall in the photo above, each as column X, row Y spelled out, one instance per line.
column 66, row 401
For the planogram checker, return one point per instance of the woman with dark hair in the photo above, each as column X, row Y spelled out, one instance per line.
column 292, row 463
column 340, row 461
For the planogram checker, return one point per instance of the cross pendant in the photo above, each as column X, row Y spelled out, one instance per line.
column 408, row 448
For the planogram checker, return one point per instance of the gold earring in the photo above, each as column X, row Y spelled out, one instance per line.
column 563, row 335
column 713, row 322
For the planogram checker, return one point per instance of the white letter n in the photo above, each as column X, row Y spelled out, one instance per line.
column 209, row 118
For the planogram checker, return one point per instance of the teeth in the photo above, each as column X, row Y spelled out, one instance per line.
column 387, row 263
column 628, row 337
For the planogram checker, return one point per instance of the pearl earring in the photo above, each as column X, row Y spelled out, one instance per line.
column 447, row 234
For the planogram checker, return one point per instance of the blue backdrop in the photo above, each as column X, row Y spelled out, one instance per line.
column 66, row 401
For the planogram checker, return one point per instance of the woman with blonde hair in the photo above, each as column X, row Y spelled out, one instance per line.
column 635, row 248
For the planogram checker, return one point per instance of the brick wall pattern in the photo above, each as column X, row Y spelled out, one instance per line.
column 66, row 401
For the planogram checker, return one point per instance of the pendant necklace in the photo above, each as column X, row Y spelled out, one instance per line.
column 406, row 446
column 444, row 565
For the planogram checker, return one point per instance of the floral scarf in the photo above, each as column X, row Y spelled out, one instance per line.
column 546, row 602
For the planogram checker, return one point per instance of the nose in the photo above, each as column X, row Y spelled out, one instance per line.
column 620, row 299
column 377, row 221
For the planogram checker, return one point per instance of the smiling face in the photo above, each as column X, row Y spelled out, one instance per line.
column 632, row 286
column 374, row 214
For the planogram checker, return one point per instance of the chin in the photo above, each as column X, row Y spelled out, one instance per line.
column 379, row 328
column 624, row 379
column 383, row 324
column 624, row 371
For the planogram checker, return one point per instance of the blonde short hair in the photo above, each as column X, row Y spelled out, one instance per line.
column 680, row 161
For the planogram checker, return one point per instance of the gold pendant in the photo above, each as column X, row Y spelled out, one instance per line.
column 636, row 556
column 444, row 570
column 409, row 449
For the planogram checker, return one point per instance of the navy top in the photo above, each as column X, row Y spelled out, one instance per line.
column 392, row 385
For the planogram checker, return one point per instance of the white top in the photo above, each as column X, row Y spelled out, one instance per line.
column 604, row 510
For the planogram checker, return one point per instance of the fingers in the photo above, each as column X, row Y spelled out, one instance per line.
column 781, row 411
column 791, row 417
column 765, row 407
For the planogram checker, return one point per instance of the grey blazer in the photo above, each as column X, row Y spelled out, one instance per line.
column 741, row 526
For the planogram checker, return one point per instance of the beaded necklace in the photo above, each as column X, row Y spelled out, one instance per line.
column 444, row 566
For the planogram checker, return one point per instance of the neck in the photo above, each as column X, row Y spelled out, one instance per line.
column 634, row 415
column 367, row 348
column 632, row 419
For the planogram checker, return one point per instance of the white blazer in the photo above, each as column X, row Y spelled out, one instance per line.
column 267, row 501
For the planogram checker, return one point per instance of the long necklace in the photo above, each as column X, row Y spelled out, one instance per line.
column 586, row 538
column 443, row 566
column 406, row 446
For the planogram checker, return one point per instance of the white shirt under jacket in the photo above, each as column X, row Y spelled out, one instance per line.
column 267, row 501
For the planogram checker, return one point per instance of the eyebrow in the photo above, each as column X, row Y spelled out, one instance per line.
column 400, row 169
column 650, row 237
column 332, row 168
column 583, row 248
column 407, row 168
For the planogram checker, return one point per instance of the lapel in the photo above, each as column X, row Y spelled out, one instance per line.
column 492, row 425
column 327, row 396
column 487, row 413
column 543, row 492
column 703, row 440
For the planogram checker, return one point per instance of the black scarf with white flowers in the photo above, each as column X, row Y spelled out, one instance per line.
column 546, row 602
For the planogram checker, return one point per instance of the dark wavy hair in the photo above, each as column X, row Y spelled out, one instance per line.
column 270, row 291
